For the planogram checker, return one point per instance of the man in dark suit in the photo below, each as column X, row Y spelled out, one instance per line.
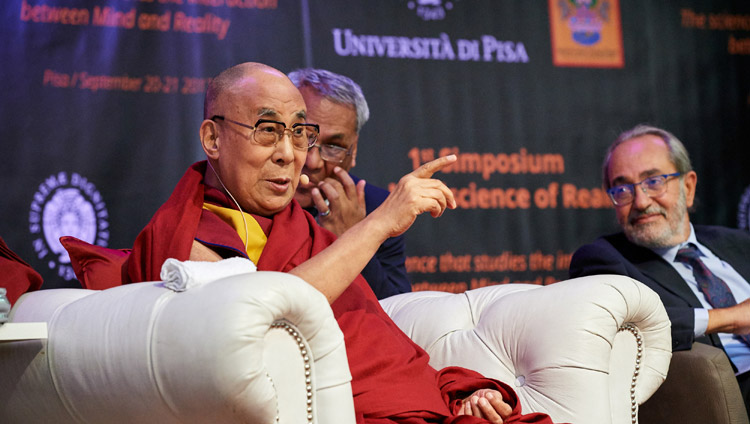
column 648, row 176
column 337, row 199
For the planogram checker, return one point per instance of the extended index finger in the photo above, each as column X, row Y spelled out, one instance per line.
column 433, row 166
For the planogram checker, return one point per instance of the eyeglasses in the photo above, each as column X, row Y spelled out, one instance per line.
column 332, row 153
column 652, row 186
column 267, row 132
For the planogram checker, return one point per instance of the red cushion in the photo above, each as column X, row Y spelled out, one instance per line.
column 96, row 267
column 17, row 276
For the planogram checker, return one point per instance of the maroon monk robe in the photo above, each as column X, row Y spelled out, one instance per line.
column 391, row 379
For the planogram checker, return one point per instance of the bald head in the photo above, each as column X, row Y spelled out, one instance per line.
column 224, row 84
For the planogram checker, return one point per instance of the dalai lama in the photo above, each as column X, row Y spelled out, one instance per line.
column 239, row 202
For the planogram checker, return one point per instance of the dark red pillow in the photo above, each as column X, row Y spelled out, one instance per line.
column 18, row 277
column 96, row 267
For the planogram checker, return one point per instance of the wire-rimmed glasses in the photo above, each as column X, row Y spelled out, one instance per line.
column 267, row 132
column 624, row 194
column 333, row 153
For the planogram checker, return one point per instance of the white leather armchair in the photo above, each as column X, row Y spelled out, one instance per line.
column 586, row 351
column 256, row 348
column 264, row 348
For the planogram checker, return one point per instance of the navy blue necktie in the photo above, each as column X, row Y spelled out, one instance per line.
column 714, row 288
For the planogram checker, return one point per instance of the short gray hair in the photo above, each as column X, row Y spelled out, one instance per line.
column 334, row 87
column 678, row 155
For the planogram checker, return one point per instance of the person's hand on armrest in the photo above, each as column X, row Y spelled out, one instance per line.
column 487, row 404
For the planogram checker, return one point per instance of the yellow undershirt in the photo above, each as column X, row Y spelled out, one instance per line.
column 233, row 217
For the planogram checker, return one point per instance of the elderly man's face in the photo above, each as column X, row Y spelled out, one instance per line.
column 654, row 222
column 263, row 179
column 338, row 127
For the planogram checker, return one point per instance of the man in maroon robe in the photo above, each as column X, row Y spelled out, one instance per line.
column 252, row 170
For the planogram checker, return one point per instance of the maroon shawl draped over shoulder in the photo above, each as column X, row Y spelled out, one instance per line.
column 392, row 381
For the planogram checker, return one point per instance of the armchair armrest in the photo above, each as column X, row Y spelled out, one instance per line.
column 570, row 349
column 248, row 348
column 699, row 376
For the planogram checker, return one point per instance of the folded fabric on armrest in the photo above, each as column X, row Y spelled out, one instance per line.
column 182, row 275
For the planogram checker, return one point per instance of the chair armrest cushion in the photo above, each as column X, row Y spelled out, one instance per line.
column 699, row 376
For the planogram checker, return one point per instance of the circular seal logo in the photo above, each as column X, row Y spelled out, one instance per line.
column 743, row 211
column 66, row 205
column 431, row 10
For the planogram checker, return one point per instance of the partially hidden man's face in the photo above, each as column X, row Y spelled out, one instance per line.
column 653, row 222
column 338, row 127
column 263, row 179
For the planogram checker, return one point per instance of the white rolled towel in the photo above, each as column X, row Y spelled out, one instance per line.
column 183, row 275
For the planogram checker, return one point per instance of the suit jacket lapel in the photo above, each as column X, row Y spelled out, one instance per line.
column 666, row 276
column 655, row 268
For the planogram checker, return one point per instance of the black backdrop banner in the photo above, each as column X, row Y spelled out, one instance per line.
column 102, row 100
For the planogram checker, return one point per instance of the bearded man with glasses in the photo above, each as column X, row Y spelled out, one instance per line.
column 700, row 272
column 335, row 197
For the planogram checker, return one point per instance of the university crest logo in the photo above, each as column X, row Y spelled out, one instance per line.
column 66, row 205
column 586, row 33
column 585, row 18
column 430, row 10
